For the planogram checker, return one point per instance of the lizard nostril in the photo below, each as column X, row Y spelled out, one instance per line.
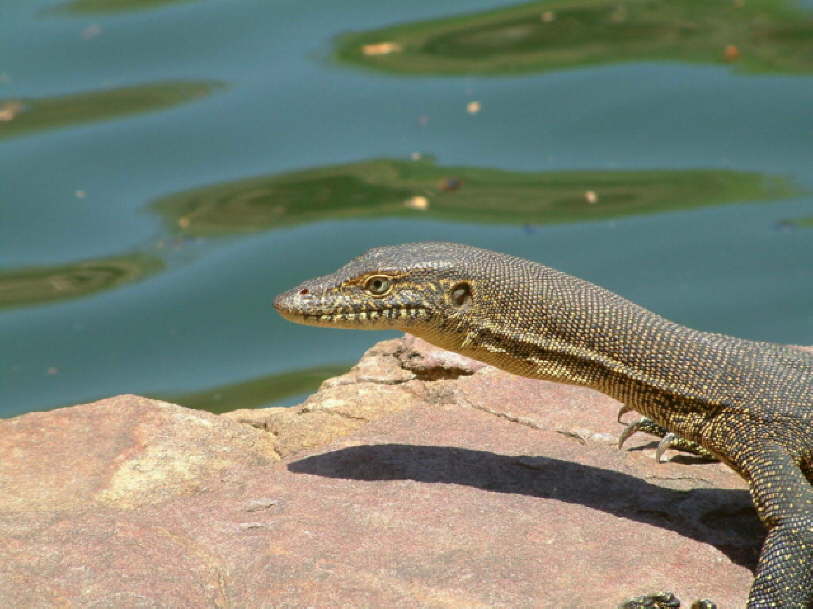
column 304, row 291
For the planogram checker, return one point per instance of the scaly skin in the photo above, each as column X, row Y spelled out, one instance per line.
column 748, row 403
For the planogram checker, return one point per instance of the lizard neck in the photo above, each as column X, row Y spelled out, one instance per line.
column 631, row 354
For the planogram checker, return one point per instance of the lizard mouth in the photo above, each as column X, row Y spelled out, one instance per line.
column 306, row 304
column 389, row 313
column 307, row 309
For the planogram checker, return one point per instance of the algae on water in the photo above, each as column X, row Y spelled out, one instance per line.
column 422, row 189
column 37, row 114
column 46, row 284
column 771, row 36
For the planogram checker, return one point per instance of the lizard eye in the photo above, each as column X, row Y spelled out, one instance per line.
column 378, row 285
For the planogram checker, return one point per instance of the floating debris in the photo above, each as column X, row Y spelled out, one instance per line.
column 183, row 222
column 91, row 31
column 731, row 53
column 381, row 48
column 423, row 120
column 591, row 197
column 473, row 107
column 416, row 156
column 9, row 110
column 619, row 15
column 417, row 202
column 80, row 194
column 450, row 184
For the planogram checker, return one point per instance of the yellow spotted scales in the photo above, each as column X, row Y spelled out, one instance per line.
column 748, row 403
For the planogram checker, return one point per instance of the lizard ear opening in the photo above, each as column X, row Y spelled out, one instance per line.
column 461, row 294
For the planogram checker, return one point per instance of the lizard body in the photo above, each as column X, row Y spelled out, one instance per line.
column 748, row 403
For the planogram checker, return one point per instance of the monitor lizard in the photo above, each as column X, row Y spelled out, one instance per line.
column 748, row 403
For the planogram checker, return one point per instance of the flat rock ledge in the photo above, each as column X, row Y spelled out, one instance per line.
column 418, row 479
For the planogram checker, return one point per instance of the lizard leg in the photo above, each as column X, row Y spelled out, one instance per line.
column 662, row 600
column 668, row 439
column 784, row 501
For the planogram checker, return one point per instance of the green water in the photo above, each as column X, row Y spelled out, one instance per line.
column 167, row 167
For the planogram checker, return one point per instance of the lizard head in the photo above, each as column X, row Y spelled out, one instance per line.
column 414, row 287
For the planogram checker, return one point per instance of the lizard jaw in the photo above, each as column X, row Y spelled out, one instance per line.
column 306, row 308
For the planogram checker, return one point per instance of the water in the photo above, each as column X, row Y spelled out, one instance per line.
column 278, row 103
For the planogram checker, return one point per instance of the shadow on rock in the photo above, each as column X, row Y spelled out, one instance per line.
column 723, row 518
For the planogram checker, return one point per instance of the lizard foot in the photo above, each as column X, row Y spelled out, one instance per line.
column 668, row 439
column 662, row 600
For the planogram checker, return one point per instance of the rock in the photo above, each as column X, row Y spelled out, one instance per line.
column 123, row 452
column 390, row 377
column 418, row 479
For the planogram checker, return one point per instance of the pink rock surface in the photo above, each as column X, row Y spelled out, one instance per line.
column 476, row 489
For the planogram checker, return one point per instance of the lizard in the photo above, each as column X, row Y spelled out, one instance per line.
column 747, row 403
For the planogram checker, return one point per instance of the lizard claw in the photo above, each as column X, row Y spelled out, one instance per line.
column 622, row 411
column 669, row 440
column 628, row 431
column 644, row 424
column 665, row 443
